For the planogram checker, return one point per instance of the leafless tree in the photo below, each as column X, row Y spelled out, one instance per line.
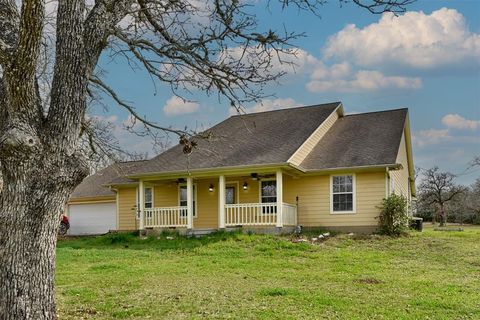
column 214, row 46
column 438, row 188
column 475, row 162
column 473, row 198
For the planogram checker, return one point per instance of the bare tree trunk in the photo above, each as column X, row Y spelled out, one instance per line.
column 35, row 194
column 39, row 157
column 443, row 216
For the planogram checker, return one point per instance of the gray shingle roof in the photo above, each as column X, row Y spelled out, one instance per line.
column 93, row 186
column 253, row 139
column 359, row 140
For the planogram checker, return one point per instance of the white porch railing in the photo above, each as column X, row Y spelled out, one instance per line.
column 165, row 217
column 289, row 214
column 258, row 214
column 241, row 214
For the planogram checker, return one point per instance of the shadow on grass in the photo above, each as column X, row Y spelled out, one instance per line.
column 131, row 240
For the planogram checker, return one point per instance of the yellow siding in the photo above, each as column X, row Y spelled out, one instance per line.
column 126, row 208
column 400, row 177
column 165, row 195
column 312, row 141
column 207, row 206
column 313, row 205
column 251, row 195
column 314, row 200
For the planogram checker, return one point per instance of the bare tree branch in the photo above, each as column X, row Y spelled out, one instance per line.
column 381, row 6
column 69, row 89
column 98, row 26
column 131, row 109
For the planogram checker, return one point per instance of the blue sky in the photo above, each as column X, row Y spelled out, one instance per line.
column 427, row 60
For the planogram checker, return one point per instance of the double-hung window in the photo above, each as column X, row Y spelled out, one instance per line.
column 343, row 194
column 268, row 194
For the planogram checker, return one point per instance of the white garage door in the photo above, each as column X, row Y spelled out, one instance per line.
column 95, row 218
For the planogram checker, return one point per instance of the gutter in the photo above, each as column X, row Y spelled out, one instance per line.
column 208, row 170
column 391, row 166
column 234, row 169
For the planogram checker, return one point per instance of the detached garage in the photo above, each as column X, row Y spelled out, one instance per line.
column 92, row 208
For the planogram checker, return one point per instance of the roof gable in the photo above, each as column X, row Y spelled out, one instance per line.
column 366, row 139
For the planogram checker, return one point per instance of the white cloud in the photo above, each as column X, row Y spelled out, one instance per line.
column 432, row 136
column 441, row 136
column 268, row 105
column 341, row 78
column 456, row 121
column 415, row 39
column 177, row 106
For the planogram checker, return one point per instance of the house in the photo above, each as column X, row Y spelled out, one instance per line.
column 271, row 171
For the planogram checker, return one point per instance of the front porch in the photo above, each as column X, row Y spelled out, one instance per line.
column 235, row 215
column 221, row 204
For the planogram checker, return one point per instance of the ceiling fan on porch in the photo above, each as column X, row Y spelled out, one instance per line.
column 256, row 176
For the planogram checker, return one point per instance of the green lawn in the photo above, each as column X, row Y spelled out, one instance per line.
column 428, row 275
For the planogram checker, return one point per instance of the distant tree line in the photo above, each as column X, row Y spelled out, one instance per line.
column 441, row 200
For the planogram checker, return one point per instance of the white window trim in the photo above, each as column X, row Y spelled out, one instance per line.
column 260, row 188
column 354, row 191
column 195, row 198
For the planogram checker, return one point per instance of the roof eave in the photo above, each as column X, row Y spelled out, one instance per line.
column 91, row 198
column 202, row 171
column 392, row 166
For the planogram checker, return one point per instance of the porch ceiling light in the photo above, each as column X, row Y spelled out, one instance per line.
column 245, row 186
column 254, row 176
column 210, row 188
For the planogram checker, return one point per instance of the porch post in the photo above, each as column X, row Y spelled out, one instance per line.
column 141, row 204
column 221, row 202
column 279, row 199
column 189, row 203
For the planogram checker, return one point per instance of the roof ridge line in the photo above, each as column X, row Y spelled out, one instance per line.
column 292, row 108
column 379, row 111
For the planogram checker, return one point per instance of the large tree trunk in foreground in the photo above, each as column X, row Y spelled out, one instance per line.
column 38, row 155
column 33, row 197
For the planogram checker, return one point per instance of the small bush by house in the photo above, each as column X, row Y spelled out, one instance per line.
column 394, row 216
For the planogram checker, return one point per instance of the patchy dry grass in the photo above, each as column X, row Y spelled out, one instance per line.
column 429, row 275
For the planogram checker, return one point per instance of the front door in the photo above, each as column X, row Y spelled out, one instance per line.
column 230, row 197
